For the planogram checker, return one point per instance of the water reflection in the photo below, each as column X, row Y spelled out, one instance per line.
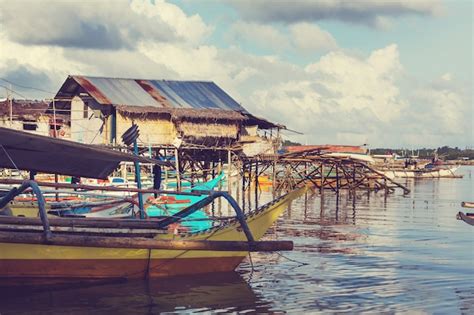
column 227, row 292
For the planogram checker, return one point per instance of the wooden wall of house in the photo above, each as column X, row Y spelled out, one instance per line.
column 153, row 131
column 258, row 146
column 86, row 125
column 39, row 126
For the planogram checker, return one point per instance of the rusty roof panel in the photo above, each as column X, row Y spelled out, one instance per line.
column 185, row 94
column 92, row 90
column 118, row 91
column 158, row 93
column 150, row 89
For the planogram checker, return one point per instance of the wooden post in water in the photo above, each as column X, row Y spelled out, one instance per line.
column 138, row 180
column 256, row 183
column 213, row 174
column 166, row 169
column 274, row 176
column 321, row 187
column 56, row 178
column 249, row 191
column 353, row 178
column 229, row 170
column 178, row 175
column 237, row 182
column 337, row 179
column 243, row 185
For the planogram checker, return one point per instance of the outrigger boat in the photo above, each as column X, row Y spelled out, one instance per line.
column 448, row 172
column 45, row 249
column 468, row 217
column 467, row 204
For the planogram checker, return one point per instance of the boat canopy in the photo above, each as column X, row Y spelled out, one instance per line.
column 26, row 151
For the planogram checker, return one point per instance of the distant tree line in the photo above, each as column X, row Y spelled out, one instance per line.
column 288, row 143
column 445, row 152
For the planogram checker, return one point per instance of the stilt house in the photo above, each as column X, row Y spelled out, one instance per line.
column 186, row 114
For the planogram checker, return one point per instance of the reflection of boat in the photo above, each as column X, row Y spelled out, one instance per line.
column 223, row 291
column 90, row 248
column 448, row 172
column 467, row 204
column 468, row 217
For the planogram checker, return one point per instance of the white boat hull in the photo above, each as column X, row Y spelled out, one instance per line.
column 422, row 173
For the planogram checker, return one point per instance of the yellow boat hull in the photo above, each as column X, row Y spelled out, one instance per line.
column 36, row 261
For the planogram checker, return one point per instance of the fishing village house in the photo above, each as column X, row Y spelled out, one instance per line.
column 190, row 115
column 33, row 116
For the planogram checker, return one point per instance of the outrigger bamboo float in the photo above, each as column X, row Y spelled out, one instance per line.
column 44, row 249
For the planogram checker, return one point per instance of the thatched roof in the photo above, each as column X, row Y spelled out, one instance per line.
column 180, row 113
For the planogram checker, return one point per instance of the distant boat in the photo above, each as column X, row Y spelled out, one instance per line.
column 467, row 204
column 468, row 217
column 423, row 173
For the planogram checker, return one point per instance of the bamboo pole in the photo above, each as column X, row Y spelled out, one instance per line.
column 229, row 170
column 321, row 188
column 243, row 185
column 102, row 188
column 256, row 183
column 178, row 175
column 143, row 243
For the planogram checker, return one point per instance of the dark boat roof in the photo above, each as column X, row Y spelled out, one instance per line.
column 31, row 152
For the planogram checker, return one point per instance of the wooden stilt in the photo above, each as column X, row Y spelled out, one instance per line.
column 178, row 169
column 256, row 183
column 229, row 170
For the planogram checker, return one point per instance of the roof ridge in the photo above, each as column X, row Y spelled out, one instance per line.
column 135, row 79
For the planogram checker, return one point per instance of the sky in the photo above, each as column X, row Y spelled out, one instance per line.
column 395, row 73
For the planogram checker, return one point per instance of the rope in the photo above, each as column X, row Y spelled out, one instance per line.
column 9, row 157
column 292, row 260
column 252, row 268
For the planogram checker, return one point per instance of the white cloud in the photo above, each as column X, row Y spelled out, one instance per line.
column 447, row 76
column 444, row 110
column 263, row 36
column 191, row 28
column 310, row 38
column 301, row 38
column 103, row 24
column 356, row 83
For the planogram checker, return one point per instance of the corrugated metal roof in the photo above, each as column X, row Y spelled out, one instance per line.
column 157, row 93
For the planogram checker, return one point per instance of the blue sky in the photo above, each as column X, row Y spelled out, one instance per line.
column 388, row 73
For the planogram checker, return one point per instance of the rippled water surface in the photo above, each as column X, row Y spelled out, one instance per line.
column 362, row 254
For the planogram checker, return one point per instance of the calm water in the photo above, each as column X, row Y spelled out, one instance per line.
column 362, row 254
